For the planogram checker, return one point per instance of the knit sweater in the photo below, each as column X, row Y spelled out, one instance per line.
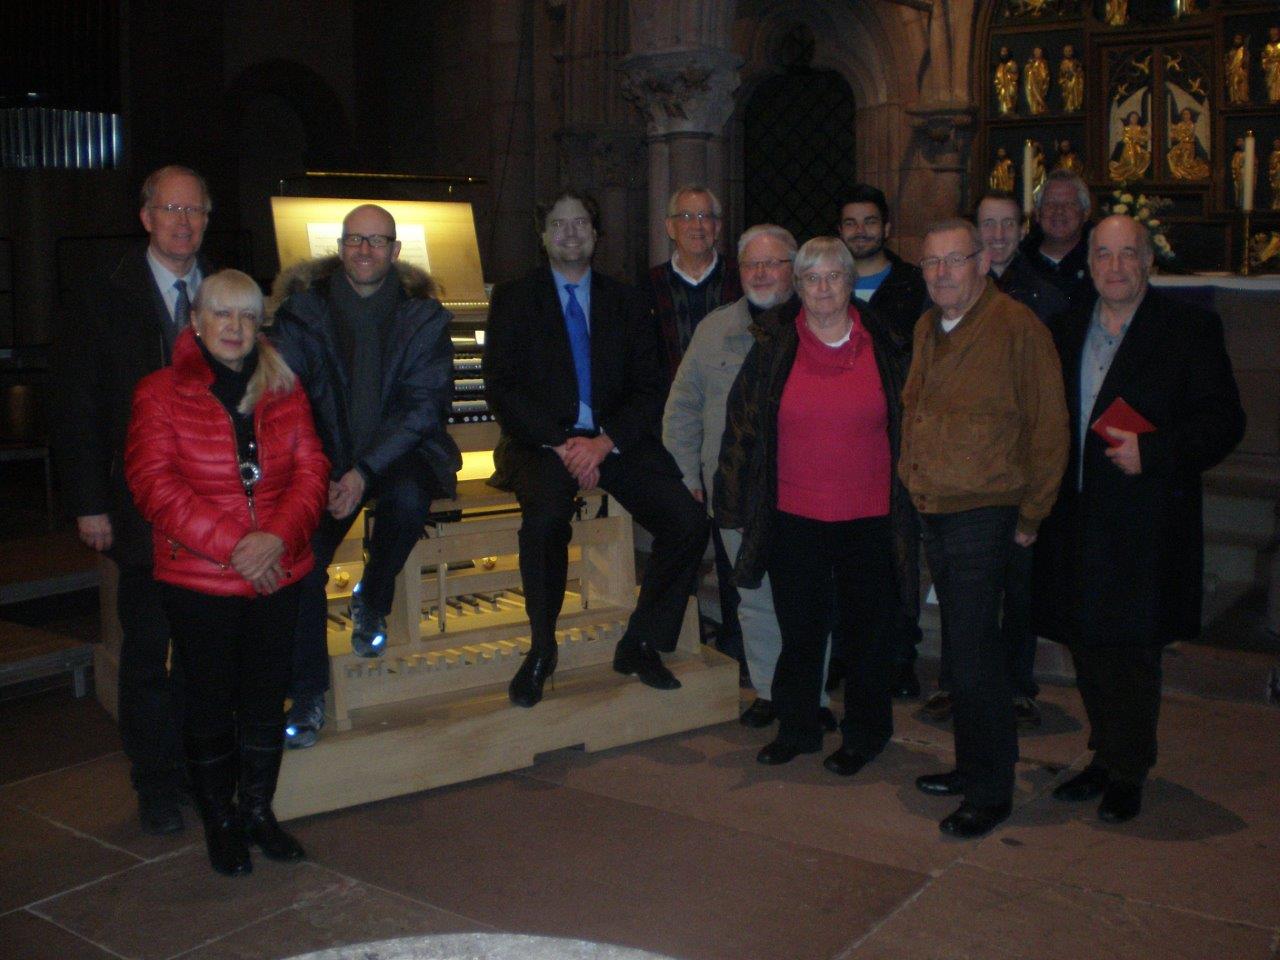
column 984, row 413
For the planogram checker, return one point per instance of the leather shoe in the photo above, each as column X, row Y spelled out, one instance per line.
column 972, row 820
column 845, row 762
column 907, row 686
column 526, row 685
column 940, row 784
column 827, row 719
column 1085, row 785
column 158, row 813
column 1120, row 802
column 939, row 706
column 645, row 664
column 761, row 713
column 779, row 752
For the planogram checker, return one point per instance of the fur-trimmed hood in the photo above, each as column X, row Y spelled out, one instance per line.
column 416, row 283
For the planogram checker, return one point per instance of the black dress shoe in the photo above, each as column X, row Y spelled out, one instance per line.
column 158, row 813
column 939, row 706
column 845, row 762
column 1120, row 802
column 1085, row 785
column 645, row 664
column 827, row 719
column 972, row 820
column 779, row 752
column 761, row 713
column 526, row 685
column 907, row 686
column 940, row 784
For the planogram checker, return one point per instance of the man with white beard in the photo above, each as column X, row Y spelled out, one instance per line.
column 693, row 424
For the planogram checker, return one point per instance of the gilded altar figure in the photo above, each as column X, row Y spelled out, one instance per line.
column 1271, row 64
column 1134, row 148
column 1006, row 82
column 1068, row 159
column 1237, row 172
column 1037, row 165
column 1117, row 13
column 1273, row 173
column 1183, row 162
column 1035, row 82
column 1071, row 80
column 1002, row 172
column 1238, row 71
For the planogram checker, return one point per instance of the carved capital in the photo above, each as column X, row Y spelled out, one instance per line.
column 682, row 91
column 944, row 133
column 602, row 156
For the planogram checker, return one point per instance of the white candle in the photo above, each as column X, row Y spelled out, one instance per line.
column 1028, row 178
column 1247, row 174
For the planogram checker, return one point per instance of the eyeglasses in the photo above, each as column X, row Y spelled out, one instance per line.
column 952, row 260
column 771, row 264
column 833, row 277
column 578, row 223
column 375, row 240
column 178, row 209
column 685, row 216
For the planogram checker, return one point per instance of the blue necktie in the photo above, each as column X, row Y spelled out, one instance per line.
column 579, row 343
column 182, row 307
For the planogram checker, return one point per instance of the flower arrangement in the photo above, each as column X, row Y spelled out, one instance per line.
column 1144, row 209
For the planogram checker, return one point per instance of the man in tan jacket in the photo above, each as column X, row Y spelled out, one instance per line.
column 984, row 445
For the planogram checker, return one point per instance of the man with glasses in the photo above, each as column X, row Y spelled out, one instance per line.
column 118, row 329
column 571, row 374
column 1057, row 248
column 984, row 444
column 370, row 343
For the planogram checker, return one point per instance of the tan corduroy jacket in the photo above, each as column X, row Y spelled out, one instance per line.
column 984, row 413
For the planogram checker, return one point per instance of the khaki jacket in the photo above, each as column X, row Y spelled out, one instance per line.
column 984, row 416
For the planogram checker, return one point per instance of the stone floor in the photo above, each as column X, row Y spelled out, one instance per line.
column 683, row 846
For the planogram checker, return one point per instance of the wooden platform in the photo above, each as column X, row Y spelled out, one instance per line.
column 30, row 654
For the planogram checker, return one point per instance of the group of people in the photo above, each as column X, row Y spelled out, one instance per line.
column 821, row 409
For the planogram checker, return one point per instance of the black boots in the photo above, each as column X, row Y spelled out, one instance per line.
column 539, row 664
column 212, row 763
column 261, row 747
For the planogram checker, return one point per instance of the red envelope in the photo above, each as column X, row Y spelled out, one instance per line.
column 1123, row 417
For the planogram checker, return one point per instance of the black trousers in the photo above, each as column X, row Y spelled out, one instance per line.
column 235, row 654
column 646, row 482
column 1120, row 687
column 149, row 699
column 729, row 640
column 842, row 575
column 968, row 554
column 403, row 503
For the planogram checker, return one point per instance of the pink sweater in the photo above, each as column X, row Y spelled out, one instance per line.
column 833, row 440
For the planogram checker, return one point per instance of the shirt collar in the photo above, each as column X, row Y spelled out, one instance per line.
column 675, row 267
column 166, row 278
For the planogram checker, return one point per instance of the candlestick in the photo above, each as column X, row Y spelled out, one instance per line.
column 1248, row 173
column 1028, row 178
column 1244, row 265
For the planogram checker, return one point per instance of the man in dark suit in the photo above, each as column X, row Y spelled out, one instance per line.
column 1118, row 566
column 118, row 329
column 571, row 374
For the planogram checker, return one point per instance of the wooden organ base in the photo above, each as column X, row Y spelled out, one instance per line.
column 434, row 709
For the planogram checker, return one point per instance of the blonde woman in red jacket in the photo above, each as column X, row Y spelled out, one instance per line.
column 223, row 461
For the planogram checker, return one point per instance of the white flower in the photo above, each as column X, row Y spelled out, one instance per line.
column 1126, row 197
column 1153, row 224
column 1161, row 241
column 1120, row 208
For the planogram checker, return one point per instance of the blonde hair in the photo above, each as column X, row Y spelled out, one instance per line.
column 233, row 290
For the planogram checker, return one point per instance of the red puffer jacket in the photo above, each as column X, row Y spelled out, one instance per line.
column 181, row 465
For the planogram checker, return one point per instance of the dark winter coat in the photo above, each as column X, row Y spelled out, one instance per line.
column 417, row 374
column 901, row 298
column 182, row 466
column 1120, row 561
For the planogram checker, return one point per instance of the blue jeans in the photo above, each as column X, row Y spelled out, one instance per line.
column 968, row 555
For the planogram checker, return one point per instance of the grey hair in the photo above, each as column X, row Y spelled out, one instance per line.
column 822, row 248
column 956, row 223
column 693, row 188
column 1060, row 175
column 781, row 234
column 152, row 184
column 1144, row 236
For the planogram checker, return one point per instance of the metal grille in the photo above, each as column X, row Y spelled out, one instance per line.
column 798, row 151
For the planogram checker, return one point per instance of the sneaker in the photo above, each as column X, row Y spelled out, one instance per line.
column 1026, row 712
column 938, row 706
column 305, row 720
column 369, row 631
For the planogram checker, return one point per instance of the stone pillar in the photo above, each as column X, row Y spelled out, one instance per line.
column 609, row 162
column 686, row 96
column 936, row 186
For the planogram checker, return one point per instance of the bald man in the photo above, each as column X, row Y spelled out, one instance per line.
column 370, row 343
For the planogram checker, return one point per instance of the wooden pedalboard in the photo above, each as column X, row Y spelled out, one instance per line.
column 434, row 709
